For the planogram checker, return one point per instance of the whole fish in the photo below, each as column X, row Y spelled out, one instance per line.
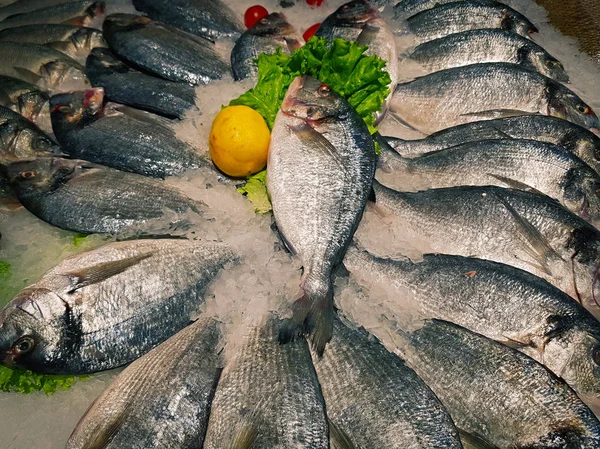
column 498, row 394
column 163, row 51
column 88, row 198
column 319, row 173
column 375, row 400
column 522, row 229
column 162, row 399
column 208, row 18
column 489, row 45
column 501, row 302
column 25, row 98
column 467, row 15
column 574, row 138
column 32, row 63
column 407, row 8
column 78, row 13
column 479, row 91
column 125, row 85
column 87, row 130
column 108, row 306
column 516, row 163
column 24, row 6
column 71, row 40
column 269, row 33
column 268, row 396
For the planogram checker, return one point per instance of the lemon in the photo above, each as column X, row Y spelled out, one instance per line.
column 239, row 141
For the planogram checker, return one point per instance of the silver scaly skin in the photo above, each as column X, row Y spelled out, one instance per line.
column 268, row 396
column 515, row 163
column 485, row 91
column 108, row 306
column 78, row 13
column 526, row 230
column 25, row 6
column 319, row 173
column 489, row 45
column 407, row 8
column 24, row 98
column 160, row 400
column 501, row 302
column 375, row 399
column 497, row 393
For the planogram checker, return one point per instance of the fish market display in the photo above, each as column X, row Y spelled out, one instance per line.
column 499, row 301
column 75, row 13
column 488, row 45
column 361, row 380
column 23, row 97
column 106, row 307
column 86, row 130
column 480, row 91
column 162, row 399
column 162, row 50
column 498, row 394
column 319, row 174
column 271, row 32
column 268, row 396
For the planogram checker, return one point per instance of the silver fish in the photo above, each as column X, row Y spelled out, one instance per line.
column 484, row 91
column 108, row 306
column 374, row 400
column 160, row 400
column 319, row 172
column 407, row 8
column 268, row 396
column 78, row 13
column 25, row 6
column 25, row 98
column 489, row 45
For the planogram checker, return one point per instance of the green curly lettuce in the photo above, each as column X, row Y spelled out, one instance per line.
column 27, row 381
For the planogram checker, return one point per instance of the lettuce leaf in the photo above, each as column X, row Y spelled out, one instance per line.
column 27, row 381
column 256, row 191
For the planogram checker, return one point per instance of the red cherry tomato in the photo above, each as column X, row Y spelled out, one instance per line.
column 314, row 3
column 254, row 14
column 312, row 30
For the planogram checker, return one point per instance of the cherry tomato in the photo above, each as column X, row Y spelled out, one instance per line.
column 254, row 14
column 312, row 30
column 314, row 3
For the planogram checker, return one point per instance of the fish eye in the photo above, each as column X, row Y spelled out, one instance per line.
column 596, row 355
column 63, row 108
column 29, row 174
column 324, row 90
column 24, row 345
column 263, row 21
column 41, row 143
column 551, row 64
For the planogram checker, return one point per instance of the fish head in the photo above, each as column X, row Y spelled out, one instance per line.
column 96, row 9
column 353, row 14
column 312, row 101
column 544, row 63
column 565, row 104
column 84, row 39
column 276, row 25
column 32, row 103
column 103, row 60
column 76, row 109
column 584, row 245
column 21, row 141
column 581, row 192
column 43, row 174
column 55, row 72
column 115, row 23
column 517, row 23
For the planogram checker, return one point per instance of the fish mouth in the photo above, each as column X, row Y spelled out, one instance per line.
column 93, row 99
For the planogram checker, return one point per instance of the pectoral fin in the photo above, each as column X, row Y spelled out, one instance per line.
column 497, row 113
column 105, row 434
column 338, row 438
column 472, row 441
column 514, row 184
column 27, row 75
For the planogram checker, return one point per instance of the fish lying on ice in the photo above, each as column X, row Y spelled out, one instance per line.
column 79, row 13
column 24, row 98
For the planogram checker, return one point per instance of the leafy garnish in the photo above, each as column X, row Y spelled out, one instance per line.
column 4, row 268
column 79, row 238
column 256, row 191
column 27, row 381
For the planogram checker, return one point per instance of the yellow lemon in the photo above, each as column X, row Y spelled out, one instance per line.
column 239, row 141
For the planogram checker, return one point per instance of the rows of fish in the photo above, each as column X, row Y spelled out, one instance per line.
column 504, row 195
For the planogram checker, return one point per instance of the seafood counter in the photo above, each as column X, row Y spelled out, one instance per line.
column 411, row 261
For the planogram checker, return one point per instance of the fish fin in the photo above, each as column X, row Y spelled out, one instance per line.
column 497, row 113
column 472, row 441
column 79, row 21
column 103, row 438
column 27, row 75
column 515, row 344
column 102, row 271
column 286, row 245
column 400, row 120
column 502, row 133
column 320, row 141
column 372, row 196
column 58, row 46
column 341, row 270
column 5, row 99
column 514, row 184
column 142, row 116
column 338, row 438
column 247, row 432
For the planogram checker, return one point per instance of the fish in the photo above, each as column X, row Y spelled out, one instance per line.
column 455, row 17
column 488, row 45
column 522, row 164
column 269, row 34
column 71, row 40
column 544, row 128
column 268, row 396
column 161, row 399
column 32, row 63
column 74, row 13
column 108, row 306
column 407, row 8
column 375, row 400
column 523, row 229
column 496, row 393
column 498, row 301
column 320, row 168
column 348, row 21
column 125, row 85
column 162, row 50
column 25, row 6
column 24, row 98
column 86, row 129
column 213, row 19
column 88, row 198
column 484, row 91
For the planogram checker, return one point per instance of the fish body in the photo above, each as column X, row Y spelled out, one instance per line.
column 209, row 18
column 319, row 174
column 515, row 163
column 269, row 34
column 407, row 8
column 268, row 396
column 25, row 6
column 24, row 98
column 108, row 306
column 162, row 399
column 88, row 131
column 78, row 13
column 498, row 394
column 163, row 51
column 88, row 198
column 483, row 91
column 375, row 399
column 488, row 45
column 500, row 302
